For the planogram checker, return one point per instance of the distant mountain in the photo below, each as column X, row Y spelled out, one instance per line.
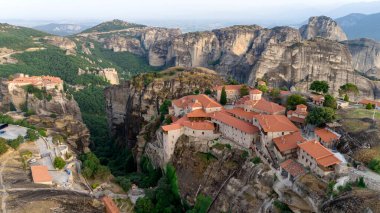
column 62, row 29
column 111, row 26
column 358, row 25
column 357, row 7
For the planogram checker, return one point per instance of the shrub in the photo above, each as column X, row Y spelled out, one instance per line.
column 282, row 206
column 262, row 88
column 330, row 101
column 124, row 182
column 360, row 183
column 370, row 106
column 245, row 154
column 32, row 135
column 208, row 91
column 59, row 163
column 244, row 90
column 294, row 100
column 3, row 146
column 16, row 142
column 374, row 164
column 256, row 160
column 144, row 205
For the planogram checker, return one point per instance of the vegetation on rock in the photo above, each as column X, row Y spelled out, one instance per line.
column 319, row 86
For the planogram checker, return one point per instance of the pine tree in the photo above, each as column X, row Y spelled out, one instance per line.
column 223, row 97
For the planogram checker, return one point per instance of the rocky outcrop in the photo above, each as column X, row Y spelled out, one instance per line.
column 62, row 43
column 302, row 63
column 74, row 131
column 365, row 56
column 134, row 103
column 58, row 105
column 136, row 40
column 322, row 26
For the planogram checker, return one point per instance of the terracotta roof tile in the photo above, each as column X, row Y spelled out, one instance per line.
column 366, row 101
column 326, row 135
column 110, row 205
column 293, row 168
column 297, row 119
column 40, row 174
column 265, row 106
column 190, row 100
column 199, row 113
column 225, row 118
column 323, row 156
column 288, row 142
column 255, row 91
column 171, row 127
column 239, row 112
column 276, row 123
column 202, row 125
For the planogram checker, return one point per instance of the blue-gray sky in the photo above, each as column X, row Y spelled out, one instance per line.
column 135, row 10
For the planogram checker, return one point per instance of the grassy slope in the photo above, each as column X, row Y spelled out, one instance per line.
column 19, row 38
column 111, row 26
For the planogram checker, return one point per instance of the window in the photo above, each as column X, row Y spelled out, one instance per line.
column 203, row 133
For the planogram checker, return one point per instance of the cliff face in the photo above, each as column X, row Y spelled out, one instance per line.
column 365, row 56
column 322, row 26
column 301, row 63
column 134, row 103
column 135, row 40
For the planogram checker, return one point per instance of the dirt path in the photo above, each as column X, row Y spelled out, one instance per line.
column 4, row 196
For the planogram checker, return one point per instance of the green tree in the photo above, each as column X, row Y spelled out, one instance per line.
column 144, row 205
column 59, row 163
column 244, row 90
column 330, row 101
column 164, row 109
column 346, row 98
column 208, row 91
column 223, row 96
column 263, row 88
column 3, row 146
column 294, row 100
column 124, row 182
column 319, row 86
column 349, row 88
column 172, row 178
column 369, row 106
column 275, row 93
column 32, row 135
column 320, row 115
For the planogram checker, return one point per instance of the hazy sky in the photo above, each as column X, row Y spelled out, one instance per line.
column 166, row 9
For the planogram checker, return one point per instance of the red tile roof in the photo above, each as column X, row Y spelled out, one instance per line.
column 199, row 113
column 40, row 174
column 171, row 127
column 110, row 205
column 265, row 106
column 294, row 168
column 202, row 125
column 326, row 135
column 225, row 118
column 190, row 100
column 284, row 93
column 297, row 119
column 276, row 123
column 322, row 155
column 366, row 101
column 239, row 112
column 288, row 142
column 255, row 91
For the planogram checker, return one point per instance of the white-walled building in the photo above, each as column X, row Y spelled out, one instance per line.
column 273, row 126
column 41, row 82
column 256, row 103
column 327, row 137
column 286, row 147
column 319, row 159
column 299, row 115
column 243, row 133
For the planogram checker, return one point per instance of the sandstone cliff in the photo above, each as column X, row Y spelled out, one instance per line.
column 134, row 103
column 62, row 42
column 365, row 56
column 322, row 26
